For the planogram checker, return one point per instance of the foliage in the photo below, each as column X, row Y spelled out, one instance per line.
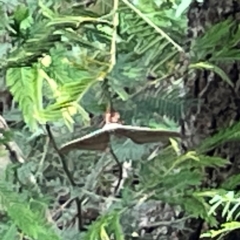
column 229, row 204
column 65, row 63
column 27, row 216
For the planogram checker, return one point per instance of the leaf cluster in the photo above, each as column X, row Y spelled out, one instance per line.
column 57, row 69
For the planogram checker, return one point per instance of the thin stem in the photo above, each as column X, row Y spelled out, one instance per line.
column 115, row 22
column 120, row 170
column 69, row 175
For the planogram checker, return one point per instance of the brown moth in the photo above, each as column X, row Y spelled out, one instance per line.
column 99, row 140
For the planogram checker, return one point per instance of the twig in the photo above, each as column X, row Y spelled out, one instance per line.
column 150, row 23
column 113, row 48
column 62, row 207
column 40, row 165
column 115, row 23
column 120, row 170
column 164, row 223
column 69, row 175
column 61, row 156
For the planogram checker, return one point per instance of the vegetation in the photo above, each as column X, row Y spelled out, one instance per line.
column 63, row 65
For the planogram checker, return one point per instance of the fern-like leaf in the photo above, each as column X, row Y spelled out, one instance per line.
column 24, row 86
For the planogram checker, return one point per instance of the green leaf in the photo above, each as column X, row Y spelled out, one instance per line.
column 31, row 223
column 11, row 233
column 182, row 7
column 21, row 13
column 214, row 68
column 226, row 227
column 25, row 85
column 231, row 182
column 47, row 12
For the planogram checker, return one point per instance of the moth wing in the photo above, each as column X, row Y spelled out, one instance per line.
column 95, row 141
column 143, row 135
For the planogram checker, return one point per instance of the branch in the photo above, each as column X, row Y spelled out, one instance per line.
column 69, row 175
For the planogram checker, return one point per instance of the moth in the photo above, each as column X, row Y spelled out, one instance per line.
column 99, row 140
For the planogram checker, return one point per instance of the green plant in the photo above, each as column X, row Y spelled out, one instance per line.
column 65, row 63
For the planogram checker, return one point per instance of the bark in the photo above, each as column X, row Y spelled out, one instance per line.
column 220, row 103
